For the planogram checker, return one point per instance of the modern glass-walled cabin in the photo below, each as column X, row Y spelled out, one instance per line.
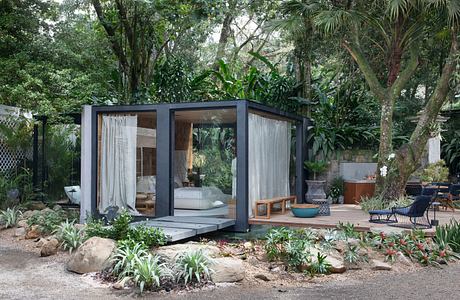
column 206, row 159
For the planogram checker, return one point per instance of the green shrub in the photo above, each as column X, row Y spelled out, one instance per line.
column 150, row 236
column 319, row 265
column 297, row 252
column 70, row 236
column 274, row 245
column 126, row 257
column 348, row 230
column 193, row 266
column 449, row 234
column 437, row 172
column 48, row 221
column 10, row 217
column 148, row 272
column 371, row 203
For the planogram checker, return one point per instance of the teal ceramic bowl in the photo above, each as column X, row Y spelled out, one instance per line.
column 304, row 210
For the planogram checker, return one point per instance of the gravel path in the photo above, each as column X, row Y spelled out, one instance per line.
column 25, row 275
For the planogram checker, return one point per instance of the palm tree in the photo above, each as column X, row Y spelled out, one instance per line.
column 386, row 39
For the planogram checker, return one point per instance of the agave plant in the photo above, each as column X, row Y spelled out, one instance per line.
column 70, row 236
column 126, row 258
column 193, row 266
column 149, row 271
column 10, row 216
column 320, row 265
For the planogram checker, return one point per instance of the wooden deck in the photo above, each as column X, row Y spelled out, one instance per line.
column 344, row 213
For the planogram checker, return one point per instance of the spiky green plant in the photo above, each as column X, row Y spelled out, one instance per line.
column 149, row 271
column 70, row 236
column 319, row 265
column 126, row 257
column 193, row 266
column 10, row 217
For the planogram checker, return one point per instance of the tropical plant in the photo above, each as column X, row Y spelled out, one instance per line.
column 149, row 236
column 395, row 29
column 10, row 217
column 297, row 252
column 193, row 266
column 149, row 271
column 126, row 257
column 449, row 234
column 451, row 152
column 319, row 265
column 348, row 229
column 274, row 244
column 436, row 172
column 317, row 167
column 48, row 221
column 336, row 188
column 70, row 236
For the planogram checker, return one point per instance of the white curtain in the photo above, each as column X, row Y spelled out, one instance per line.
column 118, row 162
column 269, row 156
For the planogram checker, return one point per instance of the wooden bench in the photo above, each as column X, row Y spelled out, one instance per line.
column 268, row 203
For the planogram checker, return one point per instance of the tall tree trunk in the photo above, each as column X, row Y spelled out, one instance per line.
column 409, row 155
column 225, row 33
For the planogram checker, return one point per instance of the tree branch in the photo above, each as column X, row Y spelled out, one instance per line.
column 366, row 69
column 116, row 47
column 406, row 74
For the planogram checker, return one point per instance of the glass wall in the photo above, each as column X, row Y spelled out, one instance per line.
column 204, row 163
column 127, row 162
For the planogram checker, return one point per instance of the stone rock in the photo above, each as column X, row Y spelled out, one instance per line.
column 353, row 241
column 227, row 269
column 337, row 264
column 33, row 232
column 380, row 265
column 27, row 214
column 401, row 258
column 262, row 277
column 18, row 232
column 171, row 251
column 248, row 246
column 40, row 242
column 36, row 205
column 49, row 247
column 57, row 207
column 46, row 210
column 23, row 224
column 92, row 256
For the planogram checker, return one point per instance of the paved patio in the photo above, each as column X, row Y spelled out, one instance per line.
column 346, row 213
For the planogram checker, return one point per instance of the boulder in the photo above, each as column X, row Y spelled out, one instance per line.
column 23, row 224
column 380, row 265
column 36, row 205
column 49, row 247
column 336, row 262
column 401, row 258
column 262, row 277
column 40, row 242
column 92, row 256
column 33, row 232
column 18, row 232
column 57, row 207
column 171, row 251
column 27, row 214
column 227, row 269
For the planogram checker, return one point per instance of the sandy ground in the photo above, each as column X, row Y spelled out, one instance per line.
column 26, row 275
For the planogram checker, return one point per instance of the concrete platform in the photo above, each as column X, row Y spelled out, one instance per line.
column 179, row 228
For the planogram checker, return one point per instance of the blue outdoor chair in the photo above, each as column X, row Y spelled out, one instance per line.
column 414, row 215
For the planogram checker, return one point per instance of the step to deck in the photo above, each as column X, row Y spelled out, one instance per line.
column 179, row 228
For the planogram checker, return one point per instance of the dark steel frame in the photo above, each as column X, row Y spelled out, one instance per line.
column 165, row 144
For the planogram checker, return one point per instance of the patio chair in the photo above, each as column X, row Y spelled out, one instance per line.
column 382, row 216
column 414, row 215
column 413, row 190
column 451, row 197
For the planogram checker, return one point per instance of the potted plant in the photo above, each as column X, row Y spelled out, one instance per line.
column 336, row 190
column 436, row 172
column 315, row 187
